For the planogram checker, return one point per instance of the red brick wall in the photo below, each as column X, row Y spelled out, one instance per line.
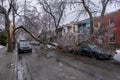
column 117, row 35
column 116, row 16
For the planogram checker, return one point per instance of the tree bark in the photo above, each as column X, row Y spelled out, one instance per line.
column 8, row 26
column 9, row 32
column 104, row 5
column 90, row 15
column 91, row 25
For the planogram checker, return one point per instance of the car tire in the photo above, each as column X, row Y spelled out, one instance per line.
column 31, row 50
column 97, row 57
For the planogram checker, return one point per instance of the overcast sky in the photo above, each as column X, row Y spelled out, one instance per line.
column 70, row 16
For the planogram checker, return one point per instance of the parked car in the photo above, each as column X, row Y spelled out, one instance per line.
column 93, row 51
column 117, row 56
column 24, row 46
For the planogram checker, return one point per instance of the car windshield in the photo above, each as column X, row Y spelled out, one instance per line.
column 36, row 42
column 24, row 44
column 94, row 47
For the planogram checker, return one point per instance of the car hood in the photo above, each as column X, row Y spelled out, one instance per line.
column 24, row 47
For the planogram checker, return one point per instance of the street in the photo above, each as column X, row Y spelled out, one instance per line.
column 59, row 40
column 54, row 65
column 8, row 65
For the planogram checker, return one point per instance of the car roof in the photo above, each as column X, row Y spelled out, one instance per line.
column 118, row 50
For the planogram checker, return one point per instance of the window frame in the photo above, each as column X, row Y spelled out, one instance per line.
column 111, row 21
column 109, row 37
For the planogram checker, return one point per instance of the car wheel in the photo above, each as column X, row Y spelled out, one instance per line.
column 82, row 53
column 31, row 50
column 92, row 55
column 96, row 56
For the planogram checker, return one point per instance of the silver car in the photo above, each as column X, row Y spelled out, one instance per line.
column 24, row 47
column 117, row 56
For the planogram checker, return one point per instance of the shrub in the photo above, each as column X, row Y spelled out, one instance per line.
column 3, row 38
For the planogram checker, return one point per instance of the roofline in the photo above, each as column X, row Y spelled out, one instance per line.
column 76, row 22
column 108, row 13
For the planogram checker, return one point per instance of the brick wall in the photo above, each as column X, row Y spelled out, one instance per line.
column 116, row 17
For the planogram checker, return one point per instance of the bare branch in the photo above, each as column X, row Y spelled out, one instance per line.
column 23, row 16
column 90, row 15
column 10, row 7
column 48, row 9
column 54, row 9
column 62, row 8
column 32, row 35
column 2, row 10
column 104, row 5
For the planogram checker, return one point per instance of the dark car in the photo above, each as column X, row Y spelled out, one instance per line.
column 93, row 51
column 24, row 47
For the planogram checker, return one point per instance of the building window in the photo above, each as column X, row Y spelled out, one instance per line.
column 111, row 21
column 98, row 23
column 112, row 37
column 64, row 31
column 73, row 28
column 79, row 28
column 84, row 27
column 68, row 28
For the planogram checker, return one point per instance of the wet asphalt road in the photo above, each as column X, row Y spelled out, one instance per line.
column 63, row 66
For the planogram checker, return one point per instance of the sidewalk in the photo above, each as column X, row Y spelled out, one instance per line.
column 8, row 65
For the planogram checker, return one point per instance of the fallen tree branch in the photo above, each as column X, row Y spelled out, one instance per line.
column 33, row 36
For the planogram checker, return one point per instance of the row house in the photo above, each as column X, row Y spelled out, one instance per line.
column 112, row 22
column 80, row 27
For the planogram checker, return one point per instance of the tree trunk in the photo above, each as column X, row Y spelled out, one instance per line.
column 9, row 49
column 104, row 5
column 101, row 19
column 91, row 25
column 90, row 15
column 9, row 32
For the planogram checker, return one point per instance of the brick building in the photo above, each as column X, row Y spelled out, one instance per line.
column 111, row 21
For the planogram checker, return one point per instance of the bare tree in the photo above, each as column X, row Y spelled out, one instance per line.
column 104, row 5
column 92, row 8
column 6, row 12
column 86, row 7
column 90, row 15
column 2, row 2
column 29, row 18
column 55, row 8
